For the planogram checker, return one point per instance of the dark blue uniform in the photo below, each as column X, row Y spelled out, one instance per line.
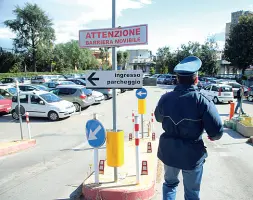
column 184, row 114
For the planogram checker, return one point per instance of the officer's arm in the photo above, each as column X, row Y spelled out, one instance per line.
column 159, row 111
column 212, row 122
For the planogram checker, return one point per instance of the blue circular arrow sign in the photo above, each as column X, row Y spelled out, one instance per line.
column 95, row 133
column 141, row 93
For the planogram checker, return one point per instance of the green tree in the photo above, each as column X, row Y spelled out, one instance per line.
column 33, row 28
column 208, row 56
column 238, row 48
column 120, row 58
column 69, row 56
column 164, row 59
column 152, row 70
column 8, row 60
column 125, row 58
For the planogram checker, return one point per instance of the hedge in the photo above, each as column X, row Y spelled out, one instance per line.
column 30, row 74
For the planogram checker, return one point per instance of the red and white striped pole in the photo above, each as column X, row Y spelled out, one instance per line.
column 28, row 125
column 137, row 149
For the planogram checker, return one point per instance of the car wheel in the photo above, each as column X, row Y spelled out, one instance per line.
column 77, row 107
column 250, row 98
column 216, row 100
column 53, row 116
column 14, row 115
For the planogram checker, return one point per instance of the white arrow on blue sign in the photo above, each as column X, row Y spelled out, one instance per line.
column 141, row 93
column 95, row 133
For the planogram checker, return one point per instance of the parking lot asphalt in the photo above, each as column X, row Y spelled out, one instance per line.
column 62, row 158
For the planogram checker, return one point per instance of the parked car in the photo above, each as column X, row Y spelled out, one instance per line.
column 250, row 93
column 218, row 93
column 107, row 92
column 43, row 104
column 26, row 88
column 5, row 105
column 54, row 84
column 170, row 79
column 72, row 76
column 10, row 81
column 146, row 76
column 7, row 91
column 235, row 86
column 155, row 76
column 160, row 80
column 41, row 79
column 98, row 96
column 77, row 94
column 25, row 80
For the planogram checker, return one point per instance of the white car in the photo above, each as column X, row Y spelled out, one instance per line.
column 98, row 96
column 218, row 93
column 43, row 104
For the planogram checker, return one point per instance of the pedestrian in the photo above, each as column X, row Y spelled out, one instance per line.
column 239, row 96
column 184, row 114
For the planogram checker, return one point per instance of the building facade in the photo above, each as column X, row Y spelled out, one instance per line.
column 235, row 16
column 140, row 59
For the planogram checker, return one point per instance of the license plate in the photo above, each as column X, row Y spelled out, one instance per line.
column 227, row 94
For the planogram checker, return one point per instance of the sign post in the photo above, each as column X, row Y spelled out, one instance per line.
column 141, row 94
column 95, row 133
column 114, row 67
column 114, row 37
column 19, row 113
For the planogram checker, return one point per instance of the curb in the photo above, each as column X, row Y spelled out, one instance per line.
column 22, row 145
column 119, row 194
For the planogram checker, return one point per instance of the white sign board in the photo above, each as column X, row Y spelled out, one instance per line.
column 114, row 37
column 115, row 79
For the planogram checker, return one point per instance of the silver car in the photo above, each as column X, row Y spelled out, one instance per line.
column 77, row 94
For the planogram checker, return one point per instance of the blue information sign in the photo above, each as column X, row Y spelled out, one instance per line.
column 141, row 93
column 95, row 133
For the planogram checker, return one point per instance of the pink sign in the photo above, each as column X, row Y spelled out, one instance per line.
column 114, row 37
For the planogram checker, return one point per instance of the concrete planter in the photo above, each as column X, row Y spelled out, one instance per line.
column 246, row 131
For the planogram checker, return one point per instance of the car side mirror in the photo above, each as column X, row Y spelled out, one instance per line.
column 41, row 103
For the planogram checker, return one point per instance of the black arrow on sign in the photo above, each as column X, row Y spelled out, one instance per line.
column 91, row 79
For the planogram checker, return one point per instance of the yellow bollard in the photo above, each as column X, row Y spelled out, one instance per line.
column 142, row 106
column 115, row 148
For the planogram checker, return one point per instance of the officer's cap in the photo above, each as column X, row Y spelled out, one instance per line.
column 188, row 66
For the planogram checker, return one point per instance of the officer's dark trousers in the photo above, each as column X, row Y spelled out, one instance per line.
column 191, row 179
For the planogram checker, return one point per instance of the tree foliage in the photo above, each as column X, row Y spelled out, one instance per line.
column 166, row 59
column 33, row 28
column 122, row 58
column 239, row 46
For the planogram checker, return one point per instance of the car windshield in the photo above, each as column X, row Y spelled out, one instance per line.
column 40, row 87
column 12, row 90
column 50, row 98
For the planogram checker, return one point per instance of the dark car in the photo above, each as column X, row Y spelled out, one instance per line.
column 170, row 79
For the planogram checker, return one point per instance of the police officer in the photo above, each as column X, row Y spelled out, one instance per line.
column 184, row 114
